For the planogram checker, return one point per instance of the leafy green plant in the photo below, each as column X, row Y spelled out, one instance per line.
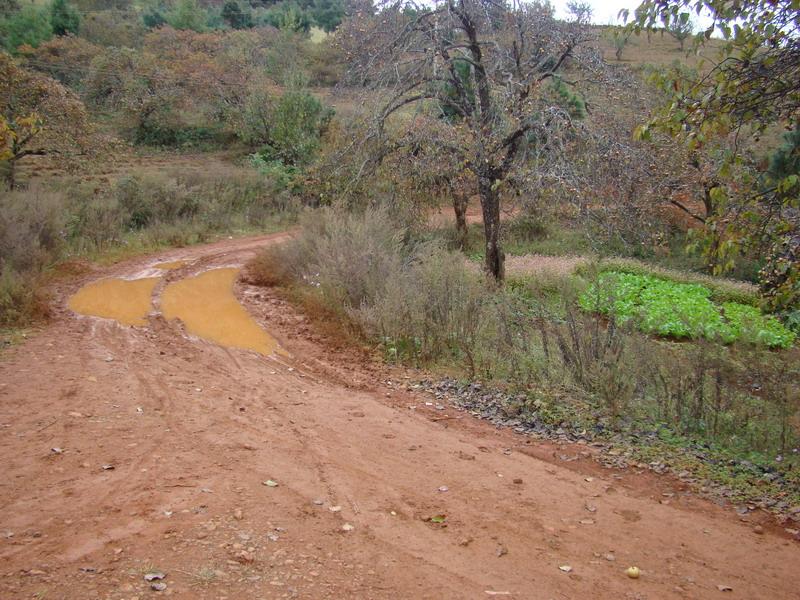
column 680, row 310
column 64, row 18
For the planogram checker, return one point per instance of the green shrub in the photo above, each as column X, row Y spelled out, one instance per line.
column 64, row 19
column 188, row 14
column 28, row 26
column 288, row 128
column 285, row 177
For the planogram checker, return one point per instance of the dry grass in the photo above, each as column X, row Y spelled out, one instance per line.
column 661, row 49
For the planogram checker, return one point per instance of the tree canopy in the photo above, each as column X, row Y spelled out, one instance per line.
column 492, row 72
column 38, row 116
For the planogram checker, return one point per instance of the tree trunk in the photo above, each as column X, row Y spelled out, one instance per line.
column 11, row 175
column 460, row 201
column 708, row 205
column 490, row 204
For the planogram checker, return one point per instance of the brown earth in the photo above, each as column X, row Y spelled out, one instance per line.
column 132, row 449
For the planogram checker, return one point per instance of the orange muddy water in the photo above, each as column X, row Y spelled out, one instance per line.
column 127, row 301
column 206, row 305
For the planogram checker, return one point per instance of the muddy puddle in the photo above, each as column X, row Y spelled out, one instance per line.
column 170, row 266
column 208, row 309
column 126, row 301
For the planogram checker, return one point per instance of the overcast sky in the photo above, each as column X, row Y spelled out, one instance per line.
column 605, row 11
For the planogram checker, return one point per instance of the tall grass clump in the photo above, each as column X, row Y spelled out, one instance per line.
column 413, row 297
column 31, row 237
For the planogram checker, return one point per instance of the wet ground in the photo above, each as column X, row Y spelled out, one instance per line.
column 204, row 303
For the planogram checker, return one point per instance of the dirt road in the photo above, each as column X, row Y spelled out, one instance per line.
column 130, row 450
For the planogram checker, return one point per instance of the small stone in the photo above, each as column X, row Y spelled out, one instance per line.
column 271, row 483
column 758, row 529
column 154, row 576
column 347, row 527
column 610, row 557
column 518, row 480
column 335, row 509
column 238, row 515
column 159, row 586
column 565, row 568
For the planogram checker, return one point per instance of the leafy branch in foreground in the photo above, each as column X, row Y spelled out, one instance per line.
column 753, row 86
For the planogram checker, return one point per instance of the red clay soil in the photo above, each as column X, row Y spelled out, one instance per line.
column 163, row 445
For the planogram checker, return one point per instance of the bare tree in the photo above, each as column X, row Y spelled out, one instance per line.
column 493, row 73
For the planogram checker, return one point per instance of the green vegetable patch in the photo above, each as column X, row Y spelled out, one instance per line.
column 681, row 310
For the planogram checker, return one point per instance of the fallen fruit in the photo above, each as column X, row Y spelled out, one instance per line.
column 632, row 572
